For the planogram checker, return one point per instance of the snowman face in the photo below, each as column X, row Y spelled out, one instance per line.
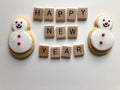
column 105, row 22
column 19, row 24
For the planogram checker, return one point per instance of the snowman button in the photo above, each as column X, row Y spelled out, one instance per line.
column 101, row 42
column 18, row 43
column 19, row 36
column 103, row 34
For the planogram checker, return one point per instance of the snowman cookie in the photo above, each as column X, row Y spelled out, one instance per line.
column 100, row 38
column 21, row 39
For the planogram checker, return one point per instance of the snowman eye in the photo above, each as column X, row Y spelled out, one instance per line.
column 16, row 22
column 108, row 20
column 103, row 20
column 21, row 22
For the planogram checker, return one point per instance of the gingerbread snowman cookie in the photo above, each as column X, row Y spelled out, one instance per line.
column 21, row 39
column 100, row 38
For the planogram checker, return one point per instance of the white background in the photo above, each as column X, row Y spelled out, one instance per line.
column 84, row 73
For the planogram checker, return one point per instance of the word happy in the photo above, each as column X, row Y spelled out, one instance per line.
column 61, row 14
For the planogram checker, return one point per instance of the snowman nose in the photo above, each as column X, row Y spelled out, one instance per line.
column 18, row 24
column 106, row 23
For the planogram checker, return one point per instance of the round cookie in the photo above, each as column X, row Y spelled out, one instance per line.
column 100, row 38
column 21, row 39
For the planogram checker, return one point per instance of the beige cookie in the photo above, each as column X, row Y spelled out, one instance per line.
column 21, row 39
column 100, row 38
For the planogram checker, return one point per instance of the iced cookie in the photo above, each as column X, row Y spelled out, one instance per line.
column 21, row 39
column 100, row 38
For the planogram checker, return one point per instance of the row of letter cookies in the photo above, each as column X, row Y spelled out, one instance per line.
column 55, row 52
column 61, row 15
column 21, row 39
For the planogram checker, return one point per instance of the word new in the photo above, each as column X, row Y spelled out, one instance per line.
column 72, row 32
column 55, row 52
column 48, row 14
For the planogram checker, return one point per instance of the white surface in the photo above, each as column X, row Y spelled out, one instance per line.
column 85, row 73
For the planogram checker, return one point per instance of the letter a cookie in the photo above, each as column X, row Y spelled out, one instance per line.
column 100, row 38
column 21, row 39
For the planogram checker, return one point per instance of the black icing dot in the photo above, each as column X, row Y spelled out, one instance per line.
column 103, row 20
column 21, row 22
column 108, row 20
column 16, row 22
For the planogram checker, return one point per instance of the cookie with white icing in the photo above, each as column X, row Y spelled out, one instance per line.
column 21, row 39
column 100, row 38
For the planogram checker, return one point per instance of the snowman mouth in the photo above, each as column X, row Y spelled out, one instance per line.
column 106, row 24
column 18, row 26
